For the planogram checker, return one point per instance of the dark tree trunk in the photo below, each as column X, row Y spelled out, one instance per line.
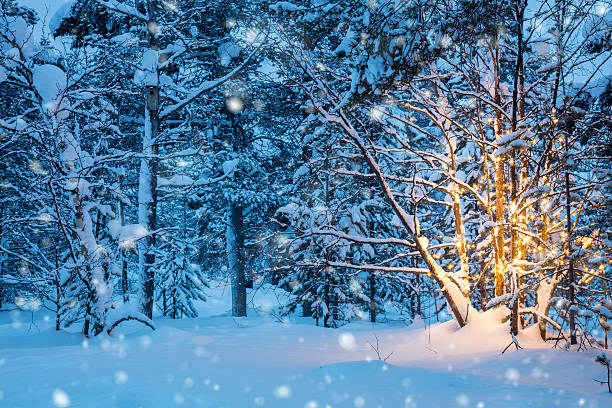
column 58, row 299
column 1, row 259
column 124, row 281
column 418, row 291
column 307, row 304
column 87, row 317
column 326, row 299
column 372, row 298
column 307, row 308
column 235, row 256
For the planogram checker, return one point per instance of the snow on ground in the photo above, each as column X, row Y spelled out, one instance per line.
column 219, row 361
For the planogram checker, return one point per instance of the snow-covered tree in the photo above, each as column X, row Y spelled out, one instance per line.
column 177, row 69
column 70, row 160
column 478, row 165
column 180, row 280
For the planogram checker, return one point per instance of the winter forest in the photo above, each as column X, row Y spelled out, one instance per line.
column 315, row 203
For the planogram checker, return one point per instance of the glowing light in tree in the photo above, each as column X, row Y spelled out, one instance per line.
column 376, row 114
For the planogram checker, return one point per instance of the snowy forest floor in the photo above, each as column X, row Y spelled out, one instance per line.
column 219, row 361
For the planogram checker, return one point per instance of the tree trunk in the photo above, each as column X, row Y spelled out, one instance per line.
column 307, row 308
column 515, row 217
column 544, row 294
column 235, row 256
column 458, row 302
column 79, row 224
column 58, row 293
column 147, row 212
column 605, row 296
column 326, row 296
column 124, row 280
column 415, row 263
column 568, row 205
column 87, row 318
column 464, row 273
column 58, row 299
column 571, row 278
column 147, row 186
column 306, row 302
column 500, row 177
column 372, row 298
column 1, row 258
column 124, row 266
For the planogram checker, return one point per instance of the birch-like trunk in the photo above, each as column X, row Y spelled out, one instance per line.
column 123, row 257
column 455, row 189
column 147, row 213
column 464, row 272
column 147, row 186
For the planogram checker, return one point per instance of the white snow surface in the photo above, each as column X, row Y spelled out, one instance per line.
column 178, row 180
column 50, row 81
column 59, row 15
column 219, row 361
column 129, row 234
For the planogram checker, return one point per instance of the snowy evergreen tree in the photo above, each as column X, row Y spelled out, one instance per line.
column 181, row 281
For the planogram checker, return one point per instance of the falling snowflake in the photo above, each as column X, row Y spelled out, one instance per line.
column 178, row 399
column 282, row 392
column 121, row 377
column 512, row 374
column 346, row 341
column 462, row 400
column 60, row 398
